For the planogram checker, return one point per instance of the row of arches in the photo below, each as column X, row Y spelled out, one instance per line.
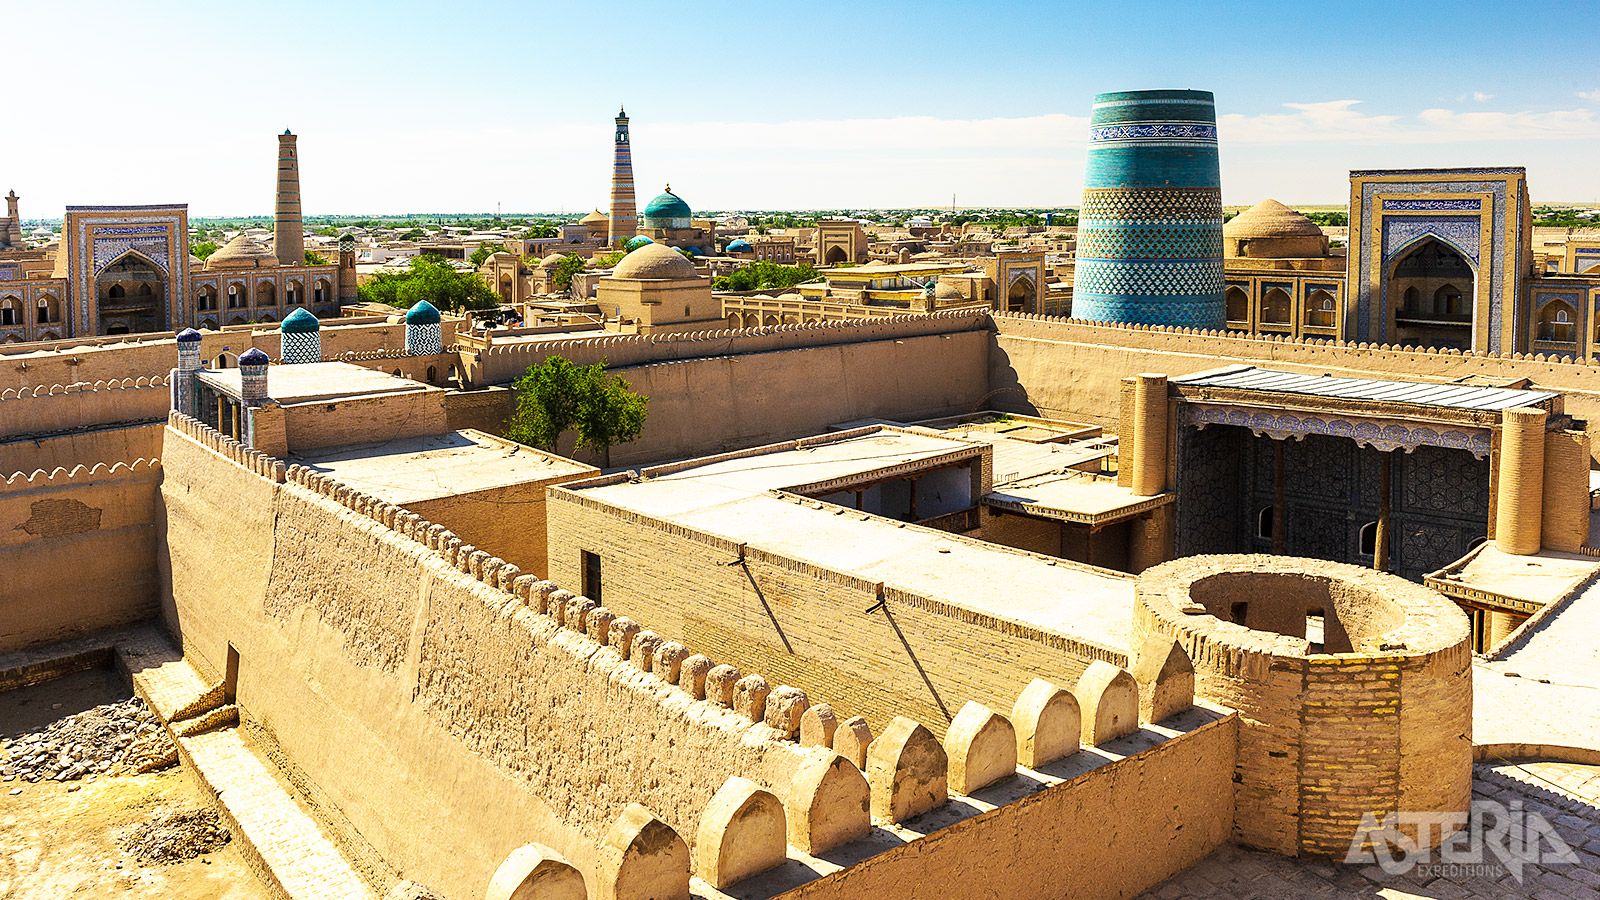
column 46, row 311
column 1277, row 308
column 266, row 294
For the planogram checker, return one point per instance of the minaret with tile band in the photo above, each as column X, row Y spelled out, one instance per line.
column 1150, row 221
column 624, row 213
column 288, row 234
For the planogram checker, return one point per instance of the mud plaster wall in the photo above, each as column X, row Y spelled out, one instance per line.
column 98, row 445
column 426, row 715
column 1054, row 367
column 1106, row 835
column 77, row 552
column 797, row 624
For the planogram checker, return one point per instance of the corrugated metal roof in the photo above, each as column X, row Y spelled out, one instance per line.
column 1453, row 396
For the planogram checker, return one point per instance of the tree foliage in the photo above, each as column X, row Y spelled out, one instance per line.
column 485, row 251
column 570, row 265
column 415, row 234
column 764, row 275
column 314, row 258
column 555, row 397
column 203, row 249
column 432, row 279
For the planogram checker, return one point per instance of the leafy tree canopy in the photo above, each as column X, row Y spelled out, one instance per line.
column 432, row 279
column 314, row 258
column 570, row 265
column 485, row 251
column 203, row 249
column 764, row 275
column 555, row 397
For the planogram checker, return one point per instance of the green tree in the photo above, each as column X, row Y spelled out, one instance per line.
column 485, row 251
column 555, row 397
column 570, row 265
column 432, row 279
column 415, row 234
column 203, row 249
column 329, row 231
column 764, row 274
column 540, row 230
column 314, row 258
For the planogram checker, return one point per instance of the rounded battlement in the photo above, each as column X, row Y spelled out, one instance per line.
column 1353, row 687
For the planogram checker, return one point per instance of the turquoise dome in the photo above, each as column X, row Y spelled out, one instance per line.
column 423, row 313
column 739, row 245
column 300, row 322
column 635, row 243
column 670, row 207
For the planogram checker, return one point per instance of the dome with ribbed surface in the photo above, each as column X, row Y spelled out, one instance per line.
column 655, row 261
column 243, row 252
column 595, row 218
column 1269, row 218
column 253, row 357
column 300, row 322
column 423, row 313
column 188, row 335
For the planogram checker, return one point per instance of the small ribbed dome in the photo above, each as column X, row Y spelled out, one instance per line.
column 423, row 313
column 253, row 357
column 739, row 245
column 1269, row 219
column 300, row 322
column 243, row 252
column 188, row 336
column 636, row 242
column 654, row 261
column 595, row 218
column 667, row 206
column 552, row 259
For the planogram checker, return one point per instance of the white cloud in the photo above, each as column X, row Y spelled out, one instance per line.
column 1591, row 96
column 1336, row 121
column 1481, row 97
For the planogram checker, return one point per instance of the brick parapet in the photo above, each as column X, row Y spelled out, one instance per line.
column 253, row 460
column 1324, row 737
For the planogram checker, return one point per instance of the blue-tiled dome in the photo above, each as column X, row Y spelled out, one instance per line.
column 423, row 313
column 188, row 336
column 300, row 322
column 739, row 245
column 254, row 357
column 667, row 206
column 636, row 242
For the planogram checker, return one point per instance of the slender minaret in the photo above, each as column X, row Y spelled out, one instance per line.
column 289, row 237
column 624, row 216
column 11, row 227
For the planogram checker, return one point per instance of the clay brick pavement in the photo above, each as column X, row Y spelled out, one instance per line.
column 1567, row 795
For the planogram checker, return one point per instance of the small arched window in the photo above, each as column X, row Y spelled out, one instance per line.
column 1369, row 539
column 8, row 312
column 1264, row 523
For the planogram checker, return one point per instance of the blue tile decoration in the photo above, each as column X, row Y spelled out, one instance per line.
column 1150, row 220
column 1472, row 204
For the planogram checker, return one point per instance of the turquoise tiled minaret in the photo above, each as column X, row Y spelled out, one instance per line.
column 1150, row 221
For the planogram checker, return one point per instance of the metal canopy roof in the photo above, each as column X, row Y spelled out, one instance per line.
column 1451, row 396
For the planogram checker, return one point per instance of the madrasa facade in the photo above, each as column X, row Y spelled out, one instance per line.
column 128, row 270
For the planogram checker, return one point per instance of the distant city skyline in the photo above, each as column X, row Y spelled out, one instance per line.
column 830, row 105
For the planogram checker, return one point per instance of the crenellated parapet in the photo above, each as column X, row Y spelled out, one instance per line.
column 62, row 476
column 247, row 457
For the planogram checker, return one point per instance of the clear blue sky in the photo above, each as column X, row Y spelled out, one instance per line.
column 455, row 107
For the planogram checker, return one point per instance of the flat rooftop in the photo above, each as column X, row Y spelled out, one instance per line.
column 1527, row 582
column 1416, row 393
column 1073, row 497
column 738, row 499
column 407, row 470
column 307, row 382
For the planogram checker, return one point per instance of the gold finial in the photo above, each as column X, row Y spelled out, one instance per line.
column 669, row 187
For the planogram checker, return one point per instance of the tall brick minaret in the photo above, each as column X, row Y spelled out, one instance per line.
column 624, row 215
column 289, row 236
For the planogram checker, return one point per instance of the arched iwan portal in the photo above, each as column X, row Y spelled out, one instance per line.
column 131, row 296
column 1430, row 295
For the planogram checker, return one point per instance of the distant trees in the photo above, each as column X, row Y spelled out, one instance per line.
column 555, row 397
column 203, row 249
column 764, row 275
column 327, row 231
column 485, row 251
column 314, row 258
column 415, row 234
column 540, row 230
column 432, row 279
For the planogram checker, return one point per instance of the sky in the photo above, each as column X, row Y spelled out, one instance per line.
column 460, row 107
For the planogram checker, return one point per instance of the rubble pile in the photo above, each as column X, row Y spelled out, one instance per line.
column 90, row 743
column 176, row 836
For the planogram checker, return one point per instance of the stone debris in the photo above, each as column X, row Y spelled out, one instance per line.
column 176, row 836
column 90, row 743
